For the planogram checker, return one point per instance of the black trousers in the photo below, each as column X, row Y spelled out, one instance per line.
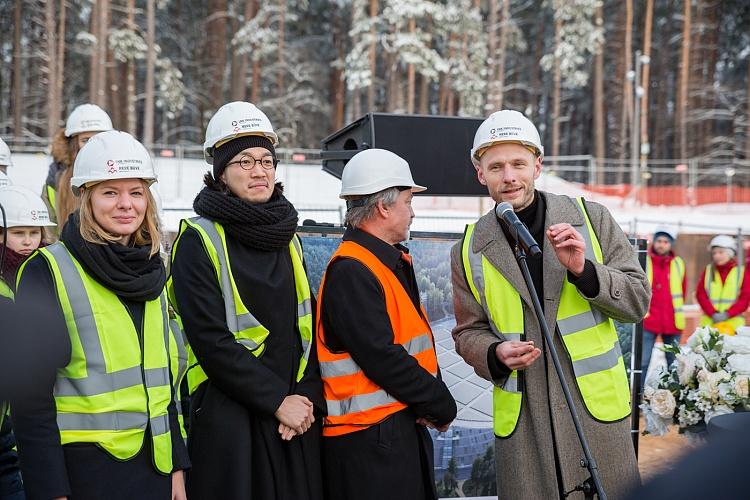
column 393, row 460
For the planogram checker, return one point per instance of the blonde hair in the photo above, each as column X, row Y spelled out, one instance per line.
column 148, row 234
column 66, row 201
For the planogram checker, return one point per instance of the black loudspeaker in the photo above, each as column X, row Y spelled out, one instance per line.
column 436, row 147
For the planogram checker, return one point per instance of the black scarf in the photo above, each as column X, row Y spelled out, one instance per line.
column 267, row 226
column 128, row 271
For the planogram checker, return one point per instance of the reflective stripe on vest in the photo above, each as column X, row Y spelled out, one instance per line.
column 5, row 290
column 723, row 295
column 112, row 388
column 354, row 401
column 179, row 361
column 676, row 276
column 52, row 197
column 589, row 336
column 246, row 328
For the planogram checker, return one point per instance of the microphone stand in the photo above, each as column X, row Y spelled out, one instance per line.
column 593, row 484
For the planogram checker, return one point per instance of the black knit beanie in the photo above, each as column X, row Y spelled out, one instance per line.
column 224, row 153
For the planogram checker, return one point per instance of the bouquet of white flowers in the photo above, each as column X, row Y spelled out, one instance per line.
column 710, row 377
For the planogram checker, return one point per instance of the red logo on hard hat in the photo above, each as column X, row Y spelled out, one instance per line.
column 33, row 215
column 234, row 123
column 112, row 167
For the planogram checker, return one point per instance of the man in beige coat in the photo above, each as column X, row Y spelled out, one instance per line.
column 537, row 451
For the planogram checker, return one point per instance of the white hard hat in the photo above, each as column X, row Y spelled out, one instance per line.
column 23, row 207
column 111, row 155
column 5, row 154
column 374, row 170
column 87, row 118
column 723, row 241
column 233, row 120
column 5, row 180
column 670, row 233
column 506, row 126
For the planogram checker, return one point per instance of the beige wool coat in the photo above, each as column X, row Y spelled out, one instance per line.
column 525, row 461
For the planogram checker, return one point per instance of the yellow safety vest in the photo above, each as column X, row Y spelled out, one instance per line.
column 676, row 275
column 179, row 359
column 589, row 337
column 52, row 197
column 115, row 384
column 247, row 330
column 5, row 290
column 723, row 295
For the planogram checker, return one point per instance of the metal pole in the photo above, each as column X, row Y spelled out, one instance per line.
column 635, row 141
column 636, row 355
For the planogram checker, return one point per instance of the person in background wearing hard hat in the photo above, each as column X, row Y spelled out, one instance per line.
column 375, row 346
column 723, row 290
column 586, row 276
column 666, row 274
column 22, row 233
column 101, row 420
column 239, row 282
column 5, row 161
column 83, row 123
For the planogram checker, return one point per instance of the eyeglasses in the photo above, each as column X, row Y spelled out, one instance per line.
column 248, row 162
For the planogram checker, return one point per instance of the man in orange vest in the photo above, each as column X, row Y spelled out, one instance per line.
column 375, row 347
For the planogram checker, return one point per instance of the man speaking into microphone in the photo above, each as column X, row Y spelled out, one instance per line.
column 586, row 274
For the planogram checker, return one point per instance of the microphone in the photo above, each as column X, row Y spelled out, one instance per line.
column 518, row 229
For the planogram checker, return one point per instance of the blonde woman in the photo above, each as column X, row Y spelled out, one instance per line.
column 101, row 421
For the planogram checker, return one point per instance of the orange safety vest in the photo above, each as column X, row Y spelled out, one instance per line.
column 354, row 401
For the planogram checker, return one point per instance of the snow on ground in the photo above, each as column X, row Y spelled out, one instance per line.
column 315, row 194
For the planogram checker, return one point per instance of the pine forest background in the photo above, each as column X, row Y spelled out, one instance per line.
column 162, row 67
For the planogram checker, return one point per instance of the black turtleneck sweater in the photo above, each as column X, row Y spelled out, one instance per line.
column 534, row 217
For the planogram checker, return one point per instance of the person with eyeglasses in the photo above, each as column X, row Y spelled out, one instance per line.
column 239, row 283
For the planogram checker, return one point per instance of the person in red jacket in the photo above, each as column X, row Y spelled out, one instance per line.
column 666, row 273
column 724, row 259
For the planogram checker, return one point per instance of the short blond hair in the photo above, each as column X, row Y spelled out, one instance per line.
column 148, row 233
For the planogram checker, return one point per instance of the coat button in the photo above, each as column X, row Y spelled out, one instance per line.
column 617, row 293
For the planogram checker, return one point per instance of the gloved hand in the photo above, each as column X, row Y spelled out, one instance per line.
column 719, row 317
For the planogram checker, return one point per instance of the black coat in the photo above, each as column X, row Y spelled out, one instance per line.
column 234, row 442
column 82, row 470
column 392, row 459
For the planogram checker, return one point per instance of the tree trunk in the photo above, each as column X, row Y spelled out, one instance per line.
column 411, row 75
column 51, row 50
column 101, row 51
column 130, row 92
column 645, row 82
column 59, row 80
column 536, row 84
column 424, row 95
column 282, row 37
column 600, row 130
column 682, row 90
column 492, row 56
column 93, row 58
column 503, row 43
column 17, row 64
column 372, row 55
column 239, row 91
column 216, row 55
column 114, row 88
column 148, row 111
column 627, row 85
column 556, row 82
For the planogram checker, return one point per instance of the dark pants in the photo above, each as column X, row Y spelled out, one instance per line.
column 649, row 339
column 390, row 460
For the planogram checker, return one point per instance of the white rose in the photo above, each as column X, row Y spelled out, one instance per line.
column 716, row 411
column 743, row 331
column 688, row 417
column 712, row 358
column 700, row 336
column 702, row 375
column 648, row 392
column 685, row 368
column 739, row 363
column 654, row 423
column 737, row 345
column 727, row 393
column 663, row 403
column 709, row 383
column 742, row 386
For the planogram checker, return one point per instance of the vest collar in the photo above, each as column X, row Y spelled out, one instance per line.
column 491, row 242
